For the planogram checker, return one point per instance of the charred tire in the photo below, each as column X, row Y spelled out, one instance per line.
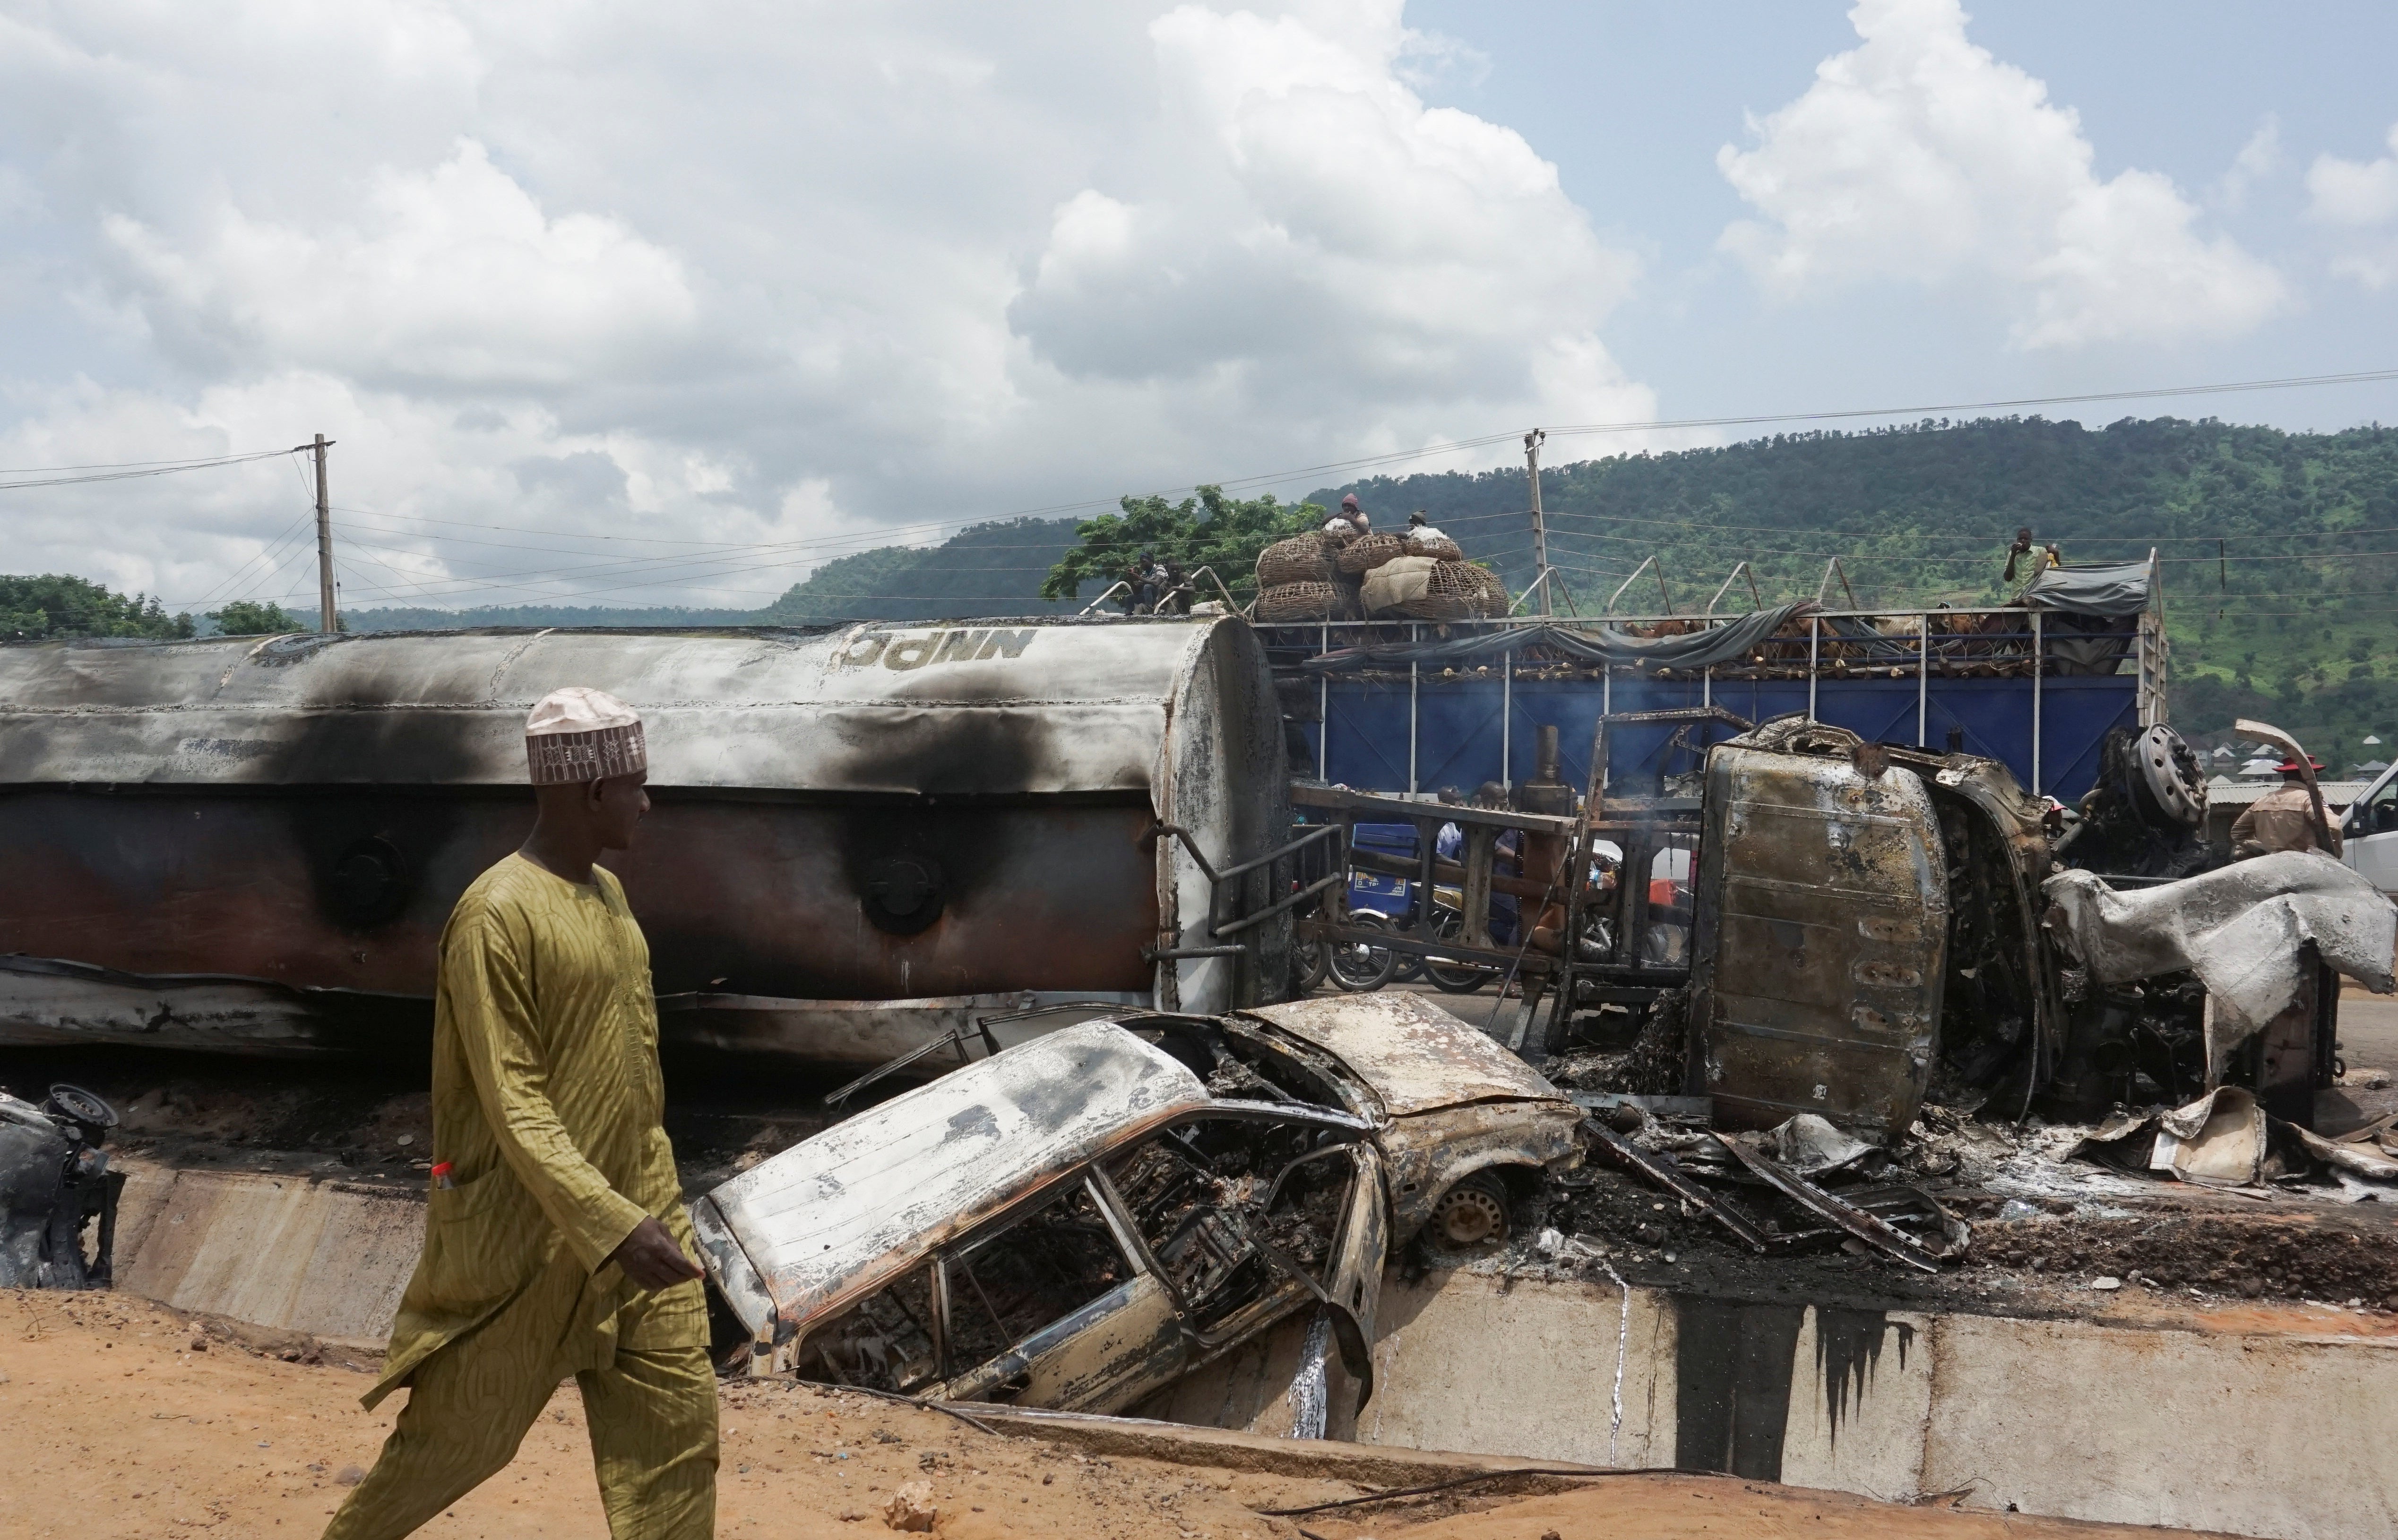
column 1453, row 978
column 1471, row 1216
column 1460, row 980
column 1359, row 967
column 1309, row 962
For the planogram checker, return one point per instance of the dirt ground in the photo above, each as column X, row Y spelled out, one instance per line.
column 2368, row 1030
column 119, row 1423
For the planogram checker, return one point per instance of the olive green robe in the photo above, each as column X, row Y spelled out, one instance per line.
column 547, row 1106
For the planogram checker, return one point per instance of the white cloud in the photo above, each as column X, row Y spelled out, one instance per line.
column 2257, row 159
column 406, row 471
column 1918, row 157
column 454, row 274
column 2361, row 199
column 711, row 274
column 1305, row 231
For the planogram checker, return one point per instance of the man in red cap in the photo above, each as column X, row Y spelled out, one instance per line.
column 2283, row 819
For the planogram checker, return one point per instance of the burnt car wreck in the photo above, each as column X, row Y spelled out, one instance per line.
column 1079, row 1221
column 57, row 1195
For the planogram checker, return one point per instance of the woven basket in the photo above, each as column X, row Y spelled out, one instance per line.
column 1457, row 591
column 1366, row 552
column 1443, row 548
column 1302, row 601
column 1302, row 558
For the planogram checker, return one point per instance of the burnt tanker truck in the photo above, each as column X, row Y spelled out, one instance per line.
column 862, row 838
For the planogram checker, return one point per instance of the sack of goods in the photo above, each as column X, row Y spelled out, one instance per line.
column 1432, row 542
column 1425, row 588
column 1367, row 552
column 1302, row 601
column 1304, row 558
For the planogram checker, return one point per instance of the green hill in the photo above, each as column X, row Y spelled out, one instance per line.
column 989, row 569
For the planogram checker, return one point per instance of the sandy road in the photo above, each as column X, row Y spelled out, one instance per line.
column 116, row 1425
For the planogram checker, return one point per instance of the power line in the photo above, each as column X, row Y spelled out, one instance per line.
column 182, row 461
column 136, row 470
column 2360, row 377
column 2078, row 542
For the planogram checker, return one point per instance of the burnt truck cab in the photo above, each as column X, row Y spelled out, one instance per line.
column 1076, row 1222
column 1868, row 928
column 1877, row 924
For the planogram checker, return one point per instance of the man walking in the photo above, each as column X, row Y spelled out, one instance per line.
column 555, row 1241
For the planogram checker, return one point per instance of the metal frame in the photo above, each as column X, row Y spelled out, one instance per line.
column 1539, row 585
column 1833, row 568
column 1631, row 887
column 1219, row 925
column 1648, row 564
column 1756, row 600
column 1482, row 827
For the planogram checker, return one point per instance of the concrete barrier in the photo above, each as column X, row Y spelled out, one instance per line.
column 2256, row 1424
column 293, row 1253
column 2266, row 1430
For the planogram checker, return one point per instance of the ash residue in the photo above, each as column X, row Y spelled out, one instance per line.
column 2331, row 1257
column 1651, row 1065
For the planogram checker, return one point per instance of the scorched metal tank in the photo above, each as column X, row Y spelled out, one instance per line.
column 861, row 836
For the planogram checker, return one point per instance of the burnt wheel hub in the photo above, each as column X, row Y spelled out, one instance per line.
column 1469, row 1214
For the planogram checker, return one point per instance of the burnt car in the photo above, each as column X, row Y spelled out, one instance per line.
column 55, row 1181
column 1076, row 1222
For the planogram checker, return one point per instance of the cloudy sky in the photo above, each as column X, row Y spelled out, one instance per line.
column 625, row 303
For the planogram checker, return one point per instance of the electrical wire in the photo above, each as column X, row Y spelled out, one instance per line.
column 2358, row 377
column 127, row 470
column 133, row 470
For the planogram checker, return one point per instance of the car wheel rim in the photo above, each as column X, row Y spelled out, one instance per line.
column 1469, row 1216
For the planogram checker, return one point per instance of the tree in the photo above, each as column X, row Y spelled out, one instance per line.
column 1213, row 530
column 55, row 604
column 247, row 618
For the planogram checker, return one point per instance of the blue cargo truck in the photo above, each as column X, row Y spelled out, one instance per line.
column 1412, row 706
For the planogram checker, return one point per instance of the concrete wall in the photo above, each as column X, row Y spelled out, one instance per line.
column 327, row 1258
column 2255, row 1432
column 2270, row 1434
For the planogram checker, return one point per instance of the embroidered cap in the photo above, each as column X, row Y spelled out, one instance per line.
column 579, row 734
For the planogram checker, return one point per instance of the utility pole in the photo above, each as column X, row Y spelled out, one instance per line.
column 327, row 620
column 1540, row 528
